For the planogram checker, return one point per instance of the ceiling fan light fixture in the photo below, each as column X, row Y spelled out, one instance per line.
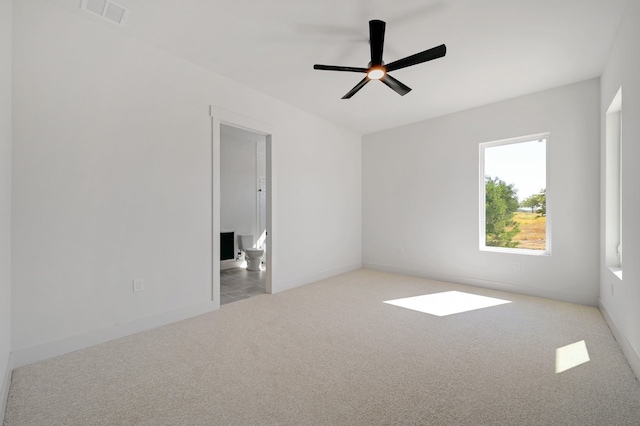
column 376, row 73
column 377, row 69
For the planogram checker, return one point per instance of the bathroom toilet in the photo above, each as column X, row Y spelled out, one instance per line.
column 253, row 256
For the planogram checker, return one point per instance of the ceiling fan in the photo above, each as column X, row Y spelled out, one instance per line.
column 377, row 69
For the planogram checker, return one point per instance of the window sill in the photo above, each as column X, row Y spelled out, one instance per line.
column 516, row 251
column 617, row 271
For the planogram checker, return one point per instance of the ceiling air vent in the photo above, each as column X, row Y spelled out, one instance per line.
column 106, row 9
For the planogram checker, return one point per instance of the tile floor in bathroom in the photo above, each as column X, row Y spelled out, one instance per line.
column 239, row 283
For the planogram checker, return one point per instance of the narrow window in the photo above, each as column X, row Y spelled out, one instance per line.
column 613, row 188
column 514, row 195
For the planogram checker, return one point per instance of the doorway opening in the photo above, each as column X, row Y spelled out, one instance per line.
column 243, row 221
column 241, row 208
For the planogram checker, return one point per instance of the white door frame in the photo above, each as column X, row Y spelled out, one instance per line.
column 220, row 116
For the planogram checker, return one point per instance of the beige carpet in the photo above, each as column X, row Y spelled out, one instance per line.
column 333, row 353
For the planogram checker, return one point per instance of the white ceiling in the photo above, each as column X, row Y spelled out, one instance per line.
column 496, row 49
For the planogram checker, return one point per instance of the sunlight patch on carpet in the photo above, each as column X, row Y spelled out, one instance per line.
column 447, row 303
column 571, row 356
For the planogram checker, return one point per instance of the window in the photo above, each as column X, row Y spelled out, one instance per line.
column 514, row 195
column 613, row 188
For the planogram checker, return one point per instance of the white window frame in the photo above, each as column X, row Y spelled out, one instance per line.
column 613, row 185
column 482, row 197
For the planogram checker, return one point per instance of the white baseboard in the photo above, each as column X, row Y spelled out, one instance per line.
column 307, row 279
column 4, row 388
column 22, row 357
column 625, row 346
column 580, row 299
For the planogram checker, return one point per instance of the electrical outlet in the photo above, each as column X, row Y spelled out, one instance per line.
column 138, row 285
column 400, row 250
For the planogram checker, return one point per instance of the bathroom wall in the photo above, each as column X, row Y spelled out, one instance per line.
column 421, row 195
column 238, row 180
column 5, row 202
column 112, row 181
column 620, row 299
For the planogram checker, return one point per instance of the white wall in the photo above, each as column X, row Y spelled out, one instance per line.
column 112, row 181
column 420, row 195
column 622, row 308
column 5, row 200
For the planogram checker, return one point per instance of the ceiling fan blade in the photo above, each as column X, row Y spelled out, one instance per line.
column 338, row 68
column 376, row 40
column 418, row 58
column 400, row 88
column 356, row 88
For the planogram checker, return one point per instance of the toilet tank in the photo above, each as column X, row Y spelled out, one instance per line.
column 245, row 241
